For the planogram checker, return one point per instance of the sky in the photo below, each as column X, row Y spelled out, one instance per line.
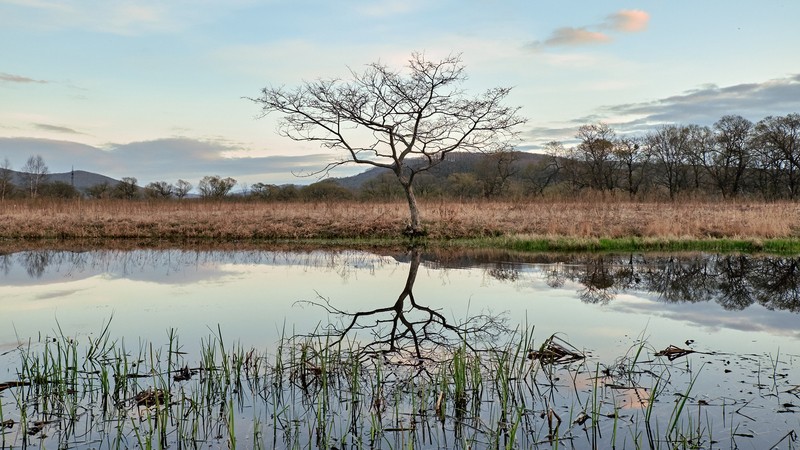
column 158, row 90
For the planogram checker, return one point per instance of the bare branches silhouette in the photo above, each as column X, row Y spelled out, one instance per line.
column 407, row 330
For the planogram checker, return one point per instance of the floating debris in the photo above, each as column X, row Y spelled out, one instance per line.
column 556, row 351
column 152, row 397
column 672, row 352
column 37, row 426
column 582, row 417
column 183, row 375
column 9, row 384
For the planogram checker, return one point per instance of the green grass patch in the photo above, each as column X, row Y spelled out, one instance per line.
column 631, row 244
column 782, row 246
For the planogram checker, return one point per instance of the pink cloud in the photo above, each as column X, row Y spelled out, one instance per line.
column 575, row 36
column 11, row 78
column 628, row 20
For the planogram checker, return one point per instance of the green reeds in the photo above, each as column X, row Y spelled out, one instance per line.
column 672, row 431
column 305, row 393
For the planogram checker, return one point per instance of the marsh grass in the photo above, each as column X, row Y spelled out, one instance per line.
column 528, row 225
column 305, row 393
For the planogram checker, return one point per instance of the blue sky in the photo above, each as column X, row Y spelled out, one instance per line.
column 154, row 89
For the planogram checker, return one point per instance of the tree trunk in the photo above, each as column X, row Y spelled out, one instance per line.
column 414, row 228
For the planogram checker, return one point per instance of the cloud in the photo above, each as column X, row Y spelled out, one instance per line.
column 575, row 36
column 169, row 160
column 627, row 20
column 388, row 8
column 706, row 104
column 11, row 78
column 55, row 128
column 117, row 16
column 700, row 106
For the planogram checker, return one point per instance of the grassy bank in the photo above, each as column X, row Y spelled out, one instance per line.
column 528, row 226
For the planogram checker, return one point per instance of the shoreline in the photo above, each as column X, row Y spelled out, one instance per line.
column 535, row 226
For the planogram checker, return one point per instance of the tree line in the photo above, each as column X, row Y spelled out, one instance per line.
column 732, row 158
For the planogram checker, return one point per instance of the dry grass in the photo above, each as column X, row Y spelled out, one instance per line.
column 173, row 220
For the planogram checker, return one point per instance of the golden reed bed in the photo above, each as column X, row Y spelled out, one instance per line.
column 237, row 220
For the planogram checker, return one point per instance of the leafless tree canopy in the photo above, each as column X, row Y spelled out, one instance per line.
column 408, row 330
column 383, row 117
column 6, row 179
column 35, row 173
column 214, row 186
column 182, row 188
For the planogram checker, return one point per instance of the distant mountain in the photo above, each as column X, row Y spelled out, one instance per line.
column 455, row 163
column 81, row 179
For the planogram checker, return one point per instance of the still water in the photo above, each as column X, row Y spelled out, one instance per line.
column 724, row 303
column 737, row 315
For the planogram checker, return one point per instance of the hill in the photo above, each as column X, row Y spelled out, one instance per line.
column 81, row 179
column 455, row 163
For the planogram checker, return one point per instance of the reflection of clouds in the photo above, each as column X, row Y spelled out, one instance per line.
column 171, row 267
column 190, row 285
column 56, row 294
column 710, row 316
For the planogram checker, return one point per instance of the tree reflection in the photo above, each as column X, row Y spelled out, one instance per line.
column 6, row 262
column 776, row 282
column 598, row 281
column 36, row 262
column 407, row 329
column 736, row 291
column 733, row 281
column 688, row 279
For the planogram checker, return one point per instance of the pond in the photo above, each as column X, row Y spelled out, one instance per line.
column 353, row 349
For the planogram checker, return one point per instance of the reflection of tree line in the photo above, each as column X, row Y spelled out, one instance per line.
column 733, row 281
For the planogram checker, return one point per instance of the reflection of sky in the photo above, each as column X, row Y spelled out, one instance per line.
column 254, row 296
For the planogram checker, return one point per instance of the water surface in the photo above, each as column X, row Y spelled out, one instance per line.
column 735, row 317
column 726, row 303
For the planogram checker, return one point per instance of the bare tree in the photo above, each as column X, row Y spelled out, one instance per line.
column 494, row 171
column 596, row 151
column 701, row 157
column 407, row 123
column 669, row 146
column 724, row 153
column 127, row 188
column 159, row 189
column 263, row 190
column 215, row 186
column 540, row 175
column 182, row 188
column 99, row 190
column 35, row 173
column 634, row 160
column 6, row 179
column 778, row 139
